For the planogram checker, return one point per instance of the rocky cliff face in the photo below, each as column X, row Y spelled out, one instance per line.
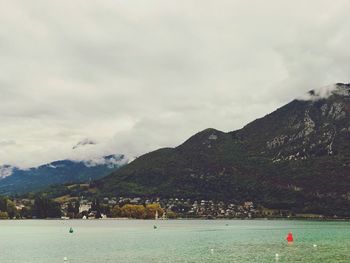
column 297, row 158
column 313, row 126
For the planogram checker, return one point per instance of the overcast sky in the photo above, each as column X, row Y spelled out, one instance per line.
column 134, row 76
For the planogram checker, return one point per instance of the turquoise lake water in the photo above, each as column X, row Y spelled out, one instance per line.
column 204, row 241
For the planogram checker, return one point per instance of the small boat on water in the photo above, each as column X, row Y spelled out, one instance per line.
column 71, row 230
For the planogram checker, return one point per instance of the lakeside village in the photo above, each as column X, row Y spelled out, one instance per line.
column 139, row 208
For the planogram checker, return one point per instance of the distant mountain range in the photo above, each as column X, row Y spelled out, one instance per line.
column 296, row 158
column 14, row 180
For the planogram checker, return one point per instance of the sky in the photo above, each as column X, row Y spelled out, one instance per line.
column 132, row 76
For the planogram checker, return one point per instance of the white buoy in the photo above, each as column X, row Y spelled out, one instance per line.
column 212, row 251
column 314, row 245
column 65, row 259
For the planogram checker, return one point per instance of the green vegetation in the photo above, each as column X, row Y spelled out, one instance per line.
column 46, row 208
column 4, row 215
column 42, row 207
column 73, row 210
column 170, row 214
column 7, row 208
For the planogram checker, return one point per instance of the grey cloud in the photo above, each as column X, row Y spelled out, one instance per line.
column 138, row 75
column 84, row 142
column 110, row 162
column 325, row 92
column 6, row 142
column 5, row 171
column 320, row 93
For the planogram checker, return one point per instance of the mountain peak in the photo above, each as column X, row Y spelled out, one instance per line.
column 296, row 157
column 204, row 139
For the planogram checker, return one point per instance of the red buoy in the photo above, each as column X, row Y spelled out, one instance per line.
column 290, row 238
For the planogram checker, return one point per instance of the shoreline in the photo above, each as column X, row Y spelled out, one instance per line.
column 183, row 219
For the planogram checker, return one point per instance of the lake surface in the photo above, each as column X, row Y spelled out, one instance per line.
column 135, row 241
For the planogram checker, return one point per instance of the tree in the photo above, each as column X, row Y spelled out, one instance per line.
column 73, row 209
column 105, row 209
column 133, row 211
column 11, row 209
column 95, row 206
column 151, row 210
column 70, row 210
column 3, row 204
column 8, row 206
column 26, row 212
column 171, row 215
column 46, row 208
column 76, row 207
column 116, row 211
column 4, row 215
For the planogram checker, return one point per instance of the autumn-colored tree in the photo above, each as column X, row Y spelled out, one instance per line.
column 116, row 211
column 133, row 211
column 3, row 215
column 170, row 214
column 151, row 210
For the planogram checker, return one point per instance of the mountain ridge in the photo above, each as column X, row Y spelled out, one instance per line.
column 15, row 180
column 296, row 157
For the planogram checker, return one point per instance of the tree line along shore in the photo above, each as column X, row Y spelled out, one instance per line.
column 42, row 207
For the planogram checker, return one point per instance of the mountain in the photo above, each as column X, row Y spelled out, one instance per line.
column 296, row 158
column 17, row 181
